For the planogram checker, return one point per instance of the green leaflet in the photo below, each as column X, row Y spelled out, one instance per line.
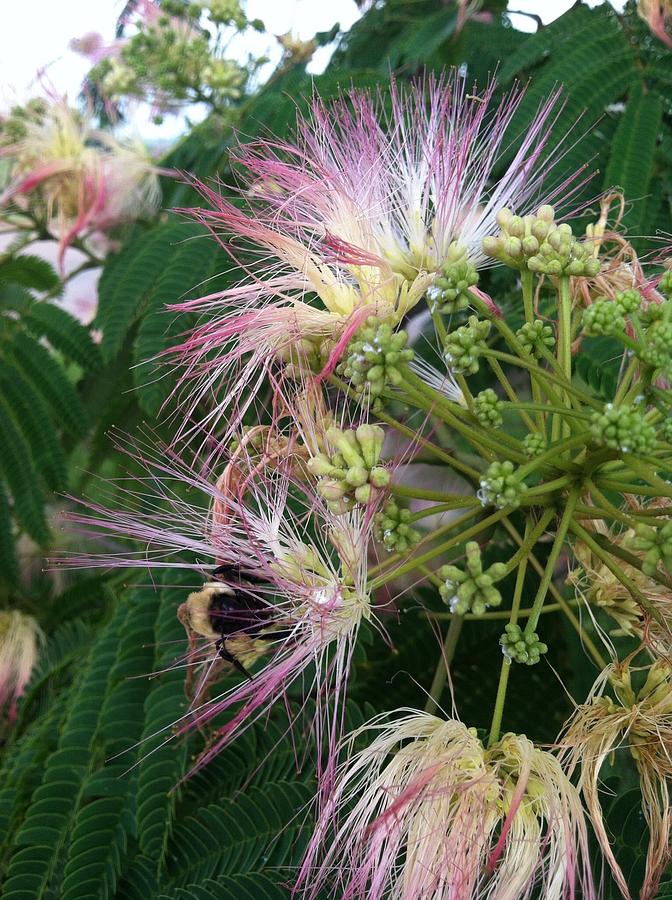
column 127, row 282
column 632, row 153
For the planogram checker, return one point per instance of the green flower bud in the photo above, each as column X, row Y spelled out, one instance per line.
column 666, row 431
column 393, row 530
column 373, row 357
column 352, row 472
column 448, row 292
column 487, row 408
column 500, row 486
column 464, row 346
column 656, row 544
column 534, row 445
column 535, row 335
column 522, row 648
column 657, row 351
column 628, row 301
column 536, row 243
column 623, row 428
column 665, row 284
column 603, row 316
column 472, row 589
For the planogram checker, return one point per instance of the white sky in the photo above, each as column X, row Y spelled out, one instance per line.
column 37, row 32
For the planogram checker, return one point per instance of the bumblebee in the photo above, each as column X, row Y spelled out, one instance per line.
column 228, row 610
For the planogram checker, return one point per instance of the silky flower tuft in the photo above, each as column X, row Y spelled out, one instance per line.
column 78, row 179
column 361, row 212
column 426, row 810
column 304, row 593
column 20, row 640
column 637, row 722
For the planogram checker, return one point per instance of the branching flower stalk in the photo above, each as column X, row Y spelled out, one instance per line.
column 536, row 474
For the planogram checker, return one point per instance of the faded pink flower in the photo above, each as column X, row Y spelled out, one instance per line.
column 637, row 723
column 426, row 810
column 657, row 14
column 78, row 179
column 20, row 639
column 354, row 218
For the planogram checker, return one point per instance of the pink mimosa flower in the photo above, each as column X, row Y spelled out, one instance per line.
column 20, row 639
column 657, row 14
column 355, row 218
column 80, row 180
column 426, row 810
column 298, row 574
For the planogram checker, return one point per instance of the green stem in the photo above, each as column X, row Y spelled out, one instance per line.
column 467, row 503
column 459, row 500
column 553, row 556
column 560, row 601
column 432, row 536
column 498, row 711
column 442, row 548
column 511, row 394
column 443, row 665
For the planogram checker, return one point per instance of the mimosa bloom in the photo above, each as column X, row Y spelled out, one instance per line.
column 20, row 639
column 657, row 14
column 360, row 212
column 427, row 811
column 300, row 573
column 638, row 722
column 79, row 179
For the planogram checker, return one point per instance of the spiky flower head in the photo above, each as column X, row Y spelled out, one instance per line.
column 20, row 639
column 657, row 14
column 362, row 210
column 79, row 179
column 427, row 811
column 600, row 588
column 638, row 721
column 247, row 524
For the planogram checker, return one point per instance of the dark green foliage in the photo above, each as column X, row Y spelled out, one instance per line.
column 96, row 797
column 39, row 404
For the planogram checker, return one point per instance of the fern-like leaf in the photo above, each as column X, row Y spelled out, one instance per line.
column 64, row 333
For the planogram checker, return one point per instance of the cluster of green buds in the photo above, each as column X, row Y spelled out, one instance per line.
column 656, row 545
column 393, row 528
column 172, row 60
column 623, row 428
column 488, row 408
column 657, row 349
column 534, row 444
column 14, row 126
column 537, row 243
column 665, row 284
column 352, row 472
column 536, row 335
column 472, row 589
column 464, row 346
column 522, row 648
column 373, row 358
column 605, row 316
column 449, row 292
column 501, row 486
